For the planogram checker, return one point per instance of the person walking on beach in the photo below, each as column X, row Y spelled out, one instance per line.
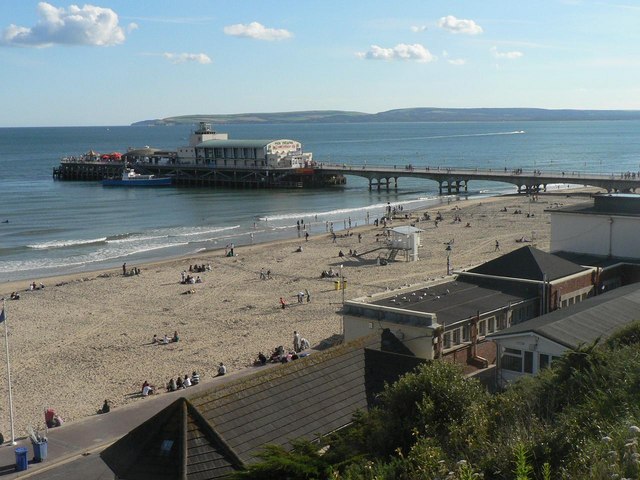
column 306, row 291
column 283, row 303
column 124, row 268
column 306, row 236
column 497, row 249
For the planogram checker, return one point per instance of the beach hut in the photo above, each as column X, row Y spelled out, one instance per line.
column 407, row 239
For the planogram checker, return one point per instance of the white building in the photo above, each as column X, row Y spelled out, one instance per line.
column 610, row 227
column 206, row 147
column 530, row 346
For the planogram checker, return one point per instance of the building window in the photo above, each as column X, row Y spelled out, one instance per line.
column 447, row 340
column 543, row 361
column 482, row 328
column 465, row 333
column 511, row 360
column 528, row 362
column 502, row 322
column 492, row 324
column 456, row 336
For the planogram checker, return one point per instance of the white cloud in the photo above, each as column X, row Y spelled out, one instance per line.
column 131, row 27
column 176, row 58
column 257, row 30
column 418, row 28
column 401, row 51
column 506, row 55
column 459, row 25
column 453, row 61
column 86, row 25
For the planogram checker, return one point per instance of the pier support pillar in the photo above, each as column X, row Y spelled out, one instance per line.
column 370, row 184
column 395, row 183
column 440, row 188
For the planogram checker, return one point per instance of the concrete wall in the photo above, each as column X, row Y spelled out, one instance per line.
column 605, row 235
column 417, row 339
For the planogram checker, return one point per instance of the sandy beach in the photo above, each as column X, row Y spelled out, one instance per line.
column 87, row 337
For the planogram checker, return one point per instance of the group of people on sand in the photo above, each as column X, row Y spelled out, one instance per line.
column 33, row 286
column 187, row 279
column 199, row 268
column 280, row 355
column 165, row 340
column 181, row 383
column 265, row 275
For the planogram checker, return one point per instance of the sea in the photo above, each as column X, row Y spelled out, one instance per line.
column 51, row 227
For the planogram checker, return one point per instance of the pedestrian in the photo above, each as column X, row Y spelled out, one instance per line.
column 296, row 341
column 306, row 236
column 231, row 249
column 222, row 370
column 497, row 249
column 359, row 238
column 306, row 291
column 283, row 302
column 333, row 236
column 124, row 268
column 300, row 297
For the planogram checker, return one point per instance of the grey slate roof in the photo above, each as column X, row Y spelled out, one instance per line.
column 228, row 424
column 529, row 263
column 586, row 321
column 175, row 443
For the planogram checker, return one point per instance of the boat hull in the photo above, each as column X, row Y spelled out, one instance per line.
column 138, row 182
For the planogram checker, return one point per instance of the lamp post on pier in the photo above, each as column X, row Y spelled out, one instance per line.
column 448, row 250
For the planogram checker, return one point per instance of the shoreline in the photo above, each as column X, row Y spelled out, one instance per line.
column 89, row 337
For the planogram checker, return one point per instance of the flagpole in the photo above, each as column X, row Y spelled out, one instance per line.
column 6, row 344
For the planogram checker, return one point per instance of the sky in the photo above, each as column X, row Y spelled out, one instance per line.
column 114, row 62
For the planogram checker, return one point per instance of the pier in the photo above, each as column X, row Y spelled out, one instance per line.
column 456, row 179
column 450, row 180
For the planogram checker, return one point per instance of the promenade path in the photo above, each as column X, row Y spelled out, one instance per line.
column 456, row 179
column 74, row 448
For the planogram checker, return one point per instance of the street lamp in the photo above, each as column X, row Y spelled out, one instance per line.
column 448, row 250
column 342, row 284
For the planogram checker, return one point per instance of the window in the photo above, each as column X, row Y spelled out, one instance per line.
column 456, row 336
column 528, row 362
column 482, row 328
column 502, row 322
column 543, row 361
column 492, row 325
column 511, row 360
column 465, row 333
column 447, row 340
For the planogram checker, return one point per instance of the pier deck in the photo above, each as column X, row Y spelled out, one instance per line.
column 450, row 180
column 456, row 180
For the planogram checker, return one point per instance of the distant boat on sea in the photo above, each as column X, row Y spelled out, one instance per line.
column 132, row 179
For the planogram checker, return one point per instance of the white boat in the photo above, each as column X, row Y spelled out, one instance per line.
column 132, row 179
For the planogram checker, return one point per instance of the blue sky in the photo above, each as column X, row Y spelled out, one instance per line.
column 113, row 62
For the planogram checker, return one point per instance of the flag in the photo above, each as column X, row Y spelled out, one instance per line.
column 2, row 318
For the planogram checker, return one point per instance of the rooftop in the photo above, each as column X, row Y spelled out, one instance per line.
column 210, row 434
column 458, row 300
column 529, row 263
column 586, row 321
column 627, row 204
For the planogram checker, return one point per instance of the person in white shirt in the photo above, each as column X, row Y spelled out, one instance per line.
column 222, row 370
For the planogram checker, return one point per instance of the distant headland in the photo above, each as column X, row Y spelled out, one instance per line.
column 400, row 115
